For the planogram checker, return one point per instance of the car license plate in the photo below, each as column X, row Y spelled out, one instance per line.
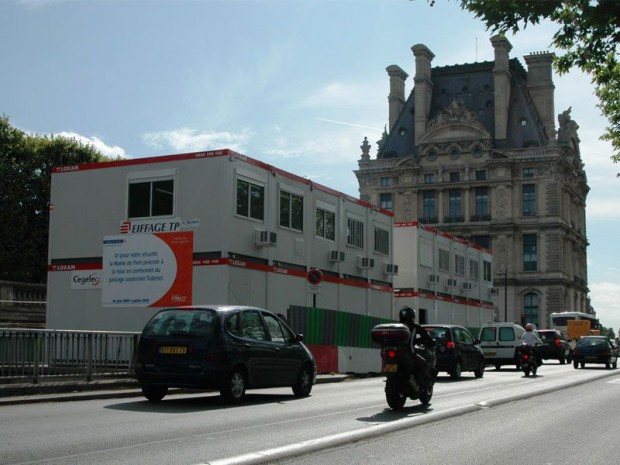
column 391, row 368
column 591, row 357
column 173, row 350
column 489, row 354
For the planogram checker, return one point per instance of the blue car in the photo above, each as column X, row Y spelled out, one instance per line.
column 595, row 349
column 228, row 348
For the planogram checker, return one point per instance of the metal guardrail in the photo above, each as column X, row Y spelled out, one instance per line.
column 49, row 355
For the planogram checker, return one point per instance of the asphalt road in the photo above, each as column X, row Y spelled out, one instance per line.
column 199, row 428
column 571, row 426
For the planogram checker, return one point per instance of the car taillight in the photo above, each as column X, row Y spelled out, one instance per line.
column 526, row 356
column 450, row 345
column 558, row 343
column 213, row 357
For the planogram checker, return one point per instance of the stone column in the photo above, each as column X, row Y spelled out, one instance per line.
column 396, row 98
column 501, row 83
column 423, row 88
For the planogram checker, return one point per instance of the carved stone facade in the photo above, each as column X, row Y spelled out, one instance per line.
column 474, row 152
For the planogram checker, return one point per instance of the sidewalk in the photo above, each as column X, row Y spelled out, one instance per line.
column 64, row 391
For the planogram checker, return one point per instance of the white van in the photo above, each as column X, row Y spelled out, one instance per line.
column 499, row 343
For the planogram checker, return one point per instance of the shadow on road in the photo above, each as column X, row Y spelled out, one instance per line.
column 200, row 402
column 413, row 410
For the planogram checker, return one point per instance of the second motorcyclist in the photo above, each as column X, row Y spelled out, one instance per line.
column 422, row 364
column 530, row 338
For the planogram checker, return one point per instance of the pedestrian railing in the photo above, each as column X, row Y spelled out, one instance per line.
column 44, row 355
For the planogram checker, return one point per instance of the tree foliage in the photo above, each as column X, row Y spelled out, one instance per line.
column 589, row 33
column 25, row 174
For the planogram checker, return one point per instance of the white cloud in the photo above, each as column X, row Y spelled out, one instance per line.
column 604, row 208
column 606, row 302
column 190, row 140
column 98, row 144
column 344, row 123
column 342, row 94
column 36, row 3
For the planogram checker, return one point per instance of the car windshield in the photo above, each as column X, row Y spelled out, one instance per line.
column 547, row 336
column 439, row 334
column 586, row 342
column 196, row 323
column 488, row 334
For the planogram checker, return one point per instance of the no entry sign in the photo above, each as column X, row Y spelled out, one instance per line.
column 314, row 276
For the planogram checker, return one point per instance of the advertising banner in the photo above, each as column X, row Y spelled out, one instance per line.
column 147, row 270
column 86, row 279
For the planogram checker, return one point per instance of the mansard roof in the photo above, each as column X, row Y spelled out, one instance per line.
column 473, row 84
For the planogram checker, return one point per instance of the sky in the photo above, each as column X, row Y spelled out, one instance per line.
column 294, row 83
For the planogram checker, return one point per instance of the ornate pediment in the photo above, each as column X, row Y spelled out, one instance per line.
column 455, row 123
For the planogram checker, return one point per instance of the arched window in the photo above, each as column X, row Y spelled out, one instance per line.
column 530, row 308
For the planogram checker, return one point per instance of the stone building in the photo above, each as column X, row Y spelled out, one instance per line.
column 474, row 151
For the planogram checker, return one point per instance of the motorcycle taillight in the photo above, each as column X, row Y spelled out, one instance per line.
column 389, row 353
column 526, row 356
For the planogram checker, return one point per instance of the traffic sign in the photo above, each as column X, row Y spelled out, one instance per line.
column 314, row 276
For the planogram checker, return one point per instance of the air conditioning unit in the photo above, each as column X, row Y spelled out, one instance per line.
column 433, row 278
column 364, row 263
column 264, row 238
column 466, row 286
column 451, row 282
column 336, row 256
column 390, row 268
column 493, row 291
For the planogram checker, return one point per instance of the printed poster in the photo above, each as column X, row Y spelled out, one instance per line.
column 148, row 270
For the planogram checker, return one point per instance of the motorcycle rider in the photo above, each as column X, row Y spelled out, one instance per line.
column 423, row 365
column 530, row 338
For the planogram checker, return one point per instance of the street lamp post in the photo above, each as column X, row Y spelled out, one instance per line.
column 506, row 296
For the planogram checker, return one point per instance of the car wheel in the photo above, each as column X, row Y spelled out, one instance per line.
column 583, row 365
column 234, row 388
column 607, row 365
column 497, row 366
column 562, row 360
column 479, row 372
column 303, row 386
column 154, row 393
column 575, row 364
column 458, row 370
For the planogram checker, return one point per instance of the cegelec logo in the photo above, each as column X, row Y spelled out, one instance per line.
column 91, row 280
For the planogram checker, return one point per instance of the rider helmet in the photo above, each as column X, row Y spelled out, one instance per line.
column 407, row 316
column 529, row 327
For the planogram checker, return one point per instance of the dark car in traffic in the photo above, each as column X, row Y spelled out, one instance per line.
column 595, row 349
column 227, row 348
column 456, row 350
column 554, row 346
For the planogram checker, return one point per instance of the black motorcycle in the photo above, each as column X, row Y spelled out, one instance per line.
column 528, row 360
column 402, row 381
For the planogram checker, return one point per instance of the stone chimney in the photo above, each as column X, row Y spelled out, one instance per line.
column 423, row 88
column 396, row 98
column 501, row 84
column 541, row 87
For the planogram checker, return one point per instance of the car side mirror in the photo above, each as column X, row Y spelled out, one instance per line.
column 477, row 341
column 299, row 337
